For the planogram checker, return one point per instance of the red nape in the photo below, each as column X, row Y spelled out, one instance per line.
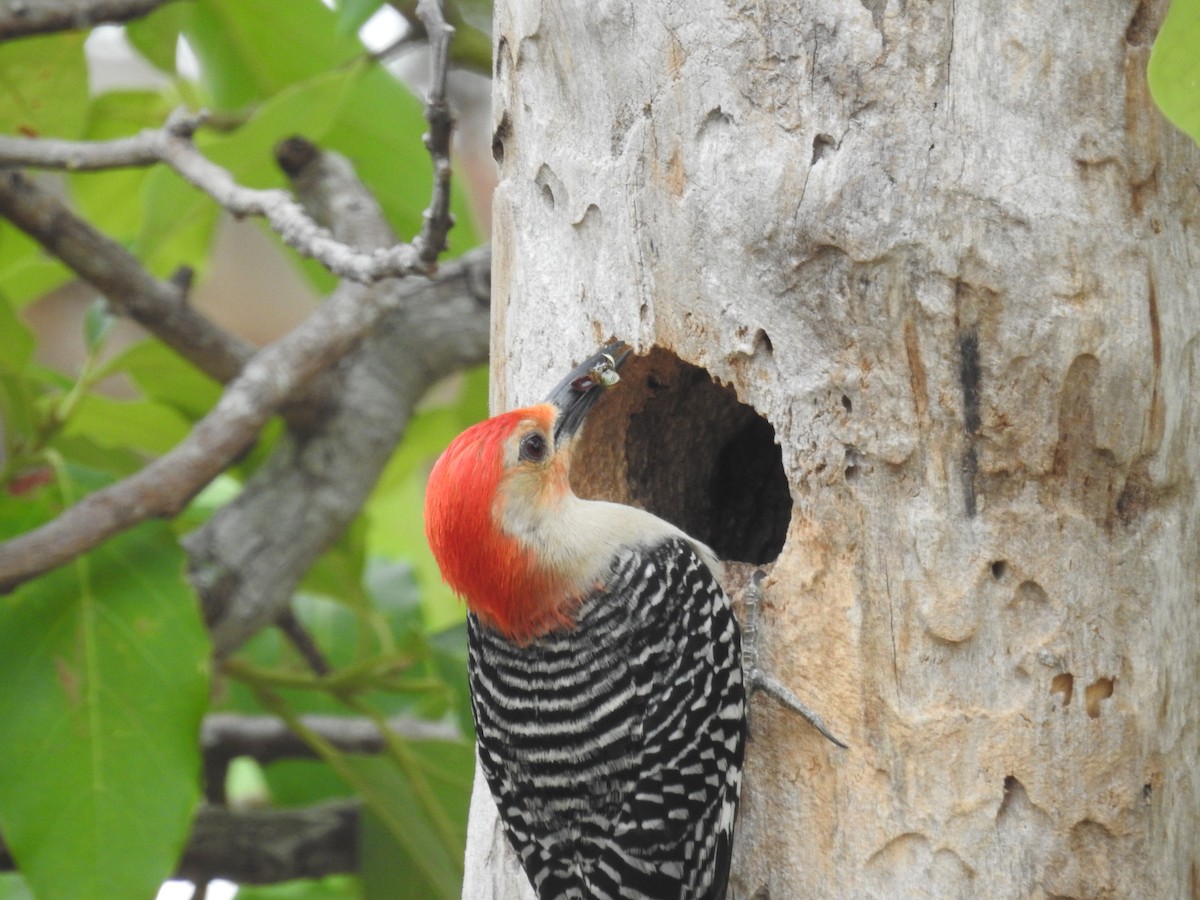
column 493, row 572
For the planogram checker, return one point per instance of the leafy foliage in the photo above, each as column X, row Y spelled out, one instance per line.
column 105, row 678
column 104, row 663
column 1174, row 72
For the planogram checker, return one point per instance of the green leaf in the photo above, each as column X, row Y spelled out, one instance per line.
column 104, row 198
column 404, row 854
column 133, row 424
column 104, row 670
column 389, row 155
column 396, row 506
column 26, row 270
column 310, row 108
column 432, row 429
column 448, row 660
column 156, row 36
column 398, row 527
column 177, row 224
column 164, row 376
column 303, row 782
column 338, row 572
column 14, row 887
column 115, row 462
column 1174, row 70
column 246, row 61
column 43, row 86
column 16, row 340
column 19, row 388
column 97, row 323
column 354, row 14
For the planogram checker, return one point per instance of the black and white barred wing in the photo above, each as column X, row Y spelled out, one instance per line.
column 613, row 749
column 686, row 798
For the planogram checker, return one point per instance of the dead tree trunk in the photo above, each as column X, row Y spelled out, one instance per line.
column 944, row 255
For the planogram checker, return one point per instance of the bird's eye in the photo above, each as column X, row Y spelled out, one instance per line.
column 533, row 448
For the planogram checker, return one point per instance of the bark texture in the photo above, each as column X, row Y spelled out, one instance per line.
column 947, row 252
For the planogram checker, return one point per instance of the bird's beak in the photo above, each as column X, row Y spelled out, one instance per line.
column 577, row 393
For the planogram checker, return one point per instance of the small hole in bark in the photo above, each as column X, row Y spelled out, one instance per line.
column 669, row 439
column 762, row 341
column 1100, row 689
column 823, row 145
column 999, row 569
column 1063, row 683
column 499, row 136
column 853, row 464
column 1014, row 795
column 846, row 404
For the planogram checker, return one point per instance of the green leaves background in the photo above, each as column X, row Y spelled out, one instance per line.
column 104, row 664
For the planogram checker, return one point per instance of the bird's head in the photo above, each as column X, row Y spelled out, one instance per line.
column 496, row 507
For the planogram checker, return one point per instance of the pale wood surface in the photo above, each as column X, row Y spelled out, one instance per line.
column 948, row 250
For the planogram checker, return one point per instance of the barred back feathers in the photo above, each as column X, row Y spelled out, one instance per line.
column 614, row 748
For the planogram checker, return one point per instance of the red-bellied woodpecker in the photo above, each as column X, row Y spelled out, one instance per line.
column 605, row 662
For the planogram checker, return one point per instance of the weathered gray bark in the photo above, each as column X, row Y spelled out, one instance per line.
column 947, row 250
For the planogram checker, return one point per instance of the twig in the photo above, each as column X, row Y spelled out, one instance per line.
column 267, row 739
column 437, row 222
column 160, row 306
column 285, row 216
column 141, row 149
column 757, row 679
column 20, row 18
column 293, row 629
column 173, row 145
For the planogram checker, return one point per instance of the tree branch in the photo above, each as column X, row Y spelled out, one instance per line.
column 141, row 149
column 21, row 18
column 266, row 739
column 247, row 560
column 159, row 306
column 166, row 485
column 437, row 222
column 285, row 216
column 264, row 846
column 173, row 145
column 267, row 846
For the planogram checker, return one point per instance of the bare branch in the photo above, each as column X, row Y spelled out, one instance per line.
column 285, row 216
column 267, row 846
column 437, row 223
column 303, row 642
column 327, row 186
column 247, row 560
column 21, row 18
column 173, row 146
column 266, row 739
column 160, row 306
column 166, row 485
column 142, row 149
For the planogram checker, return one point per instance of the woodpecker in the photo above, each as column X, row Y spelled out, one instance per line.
column 604, row 661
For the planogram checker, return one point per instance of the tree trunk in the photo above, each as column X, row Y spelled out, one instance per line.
column 944, row 255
